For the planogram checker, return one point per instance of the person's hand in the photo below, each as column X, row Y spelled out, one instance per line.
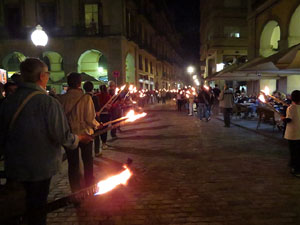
column 108, row 106
column 85, row 138
column 100, row 126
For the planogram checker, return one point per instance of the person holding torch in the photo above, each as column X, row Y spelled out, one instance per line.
column 32, row 130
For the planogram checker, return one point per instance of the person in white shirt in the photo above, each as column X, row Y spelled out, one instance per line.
column 292, row 132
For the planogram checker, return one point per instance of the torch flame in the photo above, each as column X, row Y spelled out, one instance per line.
column 122, row 88
column 117, row 91
column 266, row 90
column 206, row 87
column 262, row 98
column 110, row 183
column 132, row 116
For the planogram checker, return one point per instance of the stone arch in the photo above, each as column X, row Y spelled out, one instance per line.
column 294, row 31
column 130, row 69
column 11, row 62
column 54, row 62
column 269, row 38
column 93, row 63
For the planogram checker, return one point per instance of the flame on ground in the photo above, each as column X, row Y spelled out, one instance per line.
column 110, row 183
column 132, row 116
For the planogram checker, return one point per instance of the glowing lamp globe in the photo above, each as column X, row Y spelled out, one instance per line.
column 39, row 37
column 190, row 69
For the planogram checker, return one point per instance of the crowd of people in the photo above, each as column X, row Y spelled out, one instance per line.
column 209, row 101
column 37, row 127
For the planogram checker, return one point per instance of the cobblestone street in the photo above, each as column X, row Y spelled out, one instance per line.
column 189, row 172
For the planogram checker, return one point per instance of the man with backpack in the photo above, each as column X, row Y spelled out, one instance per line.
column 80, row 111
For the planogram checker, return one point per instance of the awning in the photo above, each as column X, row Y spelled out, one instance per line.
column 275, row 66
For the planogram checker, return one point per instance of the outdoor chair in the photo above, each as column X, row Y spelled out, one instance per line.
column 265, row 115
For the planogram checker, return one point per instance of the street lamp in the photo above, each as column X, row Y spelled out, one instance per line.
column 39, row 37
column 190, row 69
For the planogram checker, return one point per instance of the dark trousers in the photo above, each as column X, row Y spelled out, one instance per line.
column 294, row 146
column 115, row 114
column 179, row 105
column 103, row 118
column 73, row 165
column 36, row 201
column 226, row 114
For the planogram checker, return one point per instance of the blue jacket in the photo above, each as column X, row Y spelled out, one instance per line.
column 32, row 148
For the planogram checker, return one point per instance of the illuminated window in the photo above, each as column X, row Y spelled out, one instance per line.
column 91, row 18
column 232, row 32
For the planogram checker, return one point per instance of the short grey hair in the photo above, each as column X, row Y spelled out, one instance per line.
column 31, row 68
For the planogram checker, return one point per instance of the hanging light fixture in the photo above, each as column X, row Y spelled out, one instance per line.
column 39, row 36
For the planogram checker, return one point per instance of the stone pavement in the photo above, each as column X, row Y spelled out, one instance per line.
column 190, row 172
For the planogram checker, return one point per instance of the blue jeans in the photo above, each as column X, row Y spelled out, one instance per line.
column 202, row 111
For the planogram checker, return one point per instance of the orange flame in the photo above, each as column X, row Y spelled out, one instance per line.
column 117, row 91
column 266, row 90
column 110, row 183
column 206, row 87
column 262, row 98
column 132, row 116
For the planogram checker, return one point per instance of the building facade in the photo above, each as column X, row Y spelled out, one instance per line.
column 274, row 27
column 223, row 34
column 124, row 40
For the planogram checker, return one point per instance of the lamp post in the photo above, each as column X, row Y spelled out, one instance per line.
column 39, row 38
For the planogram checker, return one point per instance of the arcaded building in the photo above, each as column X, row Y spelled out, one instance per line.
column 273, row 28
column 132, row 39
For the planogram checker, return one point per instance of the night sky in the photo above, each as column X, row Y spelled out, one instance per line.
column 186, row 17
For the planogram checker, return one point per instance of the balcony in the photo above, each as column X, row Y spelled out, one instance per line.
column 218, row 42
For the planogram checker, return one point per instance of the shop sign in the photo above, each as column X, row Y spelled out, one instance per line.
column 3, row 77
column 116, row 74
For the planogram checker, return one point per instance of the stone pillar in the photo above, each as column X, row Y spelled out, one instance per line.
column 115, row 61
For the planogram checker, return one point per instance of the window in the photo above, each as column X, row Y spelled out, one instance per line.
column 91, row 13
column 151, row 68
column 146, row 65
column 47, row 14
column 140, row 62
column 12, row 20
column 232, row 3
column 232, row 32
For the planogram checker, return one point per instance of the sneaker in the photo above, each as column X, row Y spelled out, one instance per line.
column 104, row 146
column 208, row 119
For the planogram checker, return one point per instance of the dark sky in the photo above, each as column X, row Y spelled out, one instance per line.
column 186, row 16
